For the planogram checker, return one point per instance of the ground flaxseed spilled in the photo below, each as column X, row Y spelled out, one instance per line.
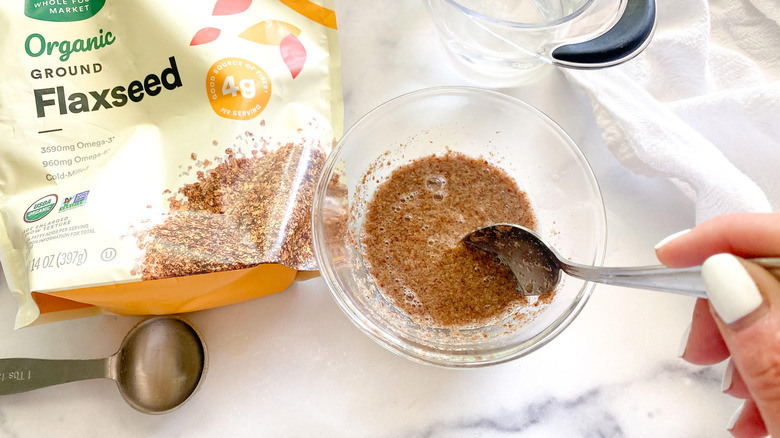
column 411, row 239
column 245, row 211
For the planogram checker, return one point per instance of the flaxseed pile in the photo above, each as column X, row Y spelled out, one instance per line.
column 412, row 231
column 245, row 211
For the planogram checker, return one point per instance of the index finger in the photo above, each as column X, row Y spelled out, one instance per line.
column 744, row 234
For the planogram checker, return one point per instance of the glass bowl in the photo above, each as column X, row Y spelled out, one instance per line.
column 516, row 137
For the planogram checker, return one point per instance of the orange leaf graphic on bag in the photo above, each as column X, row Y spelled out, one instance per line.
column 282, row 34
column 269, row 32
column 313, row 11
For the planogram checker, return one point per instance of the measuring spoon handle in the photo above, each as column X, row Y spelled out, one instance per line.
column 22, row 374
column 685, row 281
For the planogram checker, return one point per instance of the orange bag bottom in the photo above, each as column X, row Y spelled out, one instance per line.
column 167, row 296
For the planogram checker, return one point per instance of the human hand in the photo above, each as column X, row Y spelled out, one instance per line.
column 741, row 319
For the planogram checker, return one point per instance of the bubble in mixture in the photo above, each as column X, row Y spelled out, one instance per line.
column 438, row 196
column 396, row 208
column 408, row 218
column 434, row 183
column 408, row 196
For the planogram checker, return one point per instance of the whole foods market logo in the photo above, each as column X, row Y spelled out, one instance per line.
column 74, row 201
column 40, row 208
column 62, row 10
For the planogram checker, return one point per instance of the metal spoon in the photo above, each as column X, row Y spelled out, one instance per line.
column 158, row 367
column 537, row 267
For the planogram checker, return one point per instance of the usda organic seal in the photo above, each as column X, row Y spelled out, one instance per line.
column 40, row 208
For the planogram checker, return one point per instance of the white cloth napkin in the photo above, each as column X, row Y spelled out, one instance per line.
column 701, row 104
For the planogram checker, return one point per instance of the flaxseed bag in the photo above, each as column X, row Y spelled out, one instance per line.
column 161, row 157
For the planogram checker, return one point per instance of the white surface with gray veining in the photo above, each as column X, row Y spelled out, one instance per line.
column 292, row 364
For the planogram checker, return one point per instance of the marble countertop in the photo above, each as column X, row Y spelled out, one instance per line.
column 292, row 364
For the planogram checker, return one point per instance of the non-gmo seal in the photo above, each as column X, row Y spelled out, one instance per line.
column 40, row 208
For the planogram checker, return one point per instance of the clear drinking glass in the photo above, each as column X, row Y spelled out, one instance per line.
column 529, row 146
column 507, row 41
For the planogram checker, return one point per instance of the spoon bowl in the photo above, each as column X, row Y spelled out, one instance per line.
column 537, row 266
column 159, row 366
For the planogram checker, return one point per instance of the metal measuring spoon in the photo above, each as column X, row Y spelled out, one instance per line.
column 537, row 267
column 158, row 367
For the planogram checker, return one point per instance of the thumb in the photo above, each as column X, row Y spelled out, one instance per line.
column 745, row 299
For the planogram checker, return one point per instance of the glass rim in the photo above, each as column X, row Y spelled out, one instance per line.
column 518, row 24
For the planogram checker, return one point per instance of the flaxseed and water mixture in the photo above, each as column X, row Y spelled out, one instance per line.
column 161, row 157
column 411, row 240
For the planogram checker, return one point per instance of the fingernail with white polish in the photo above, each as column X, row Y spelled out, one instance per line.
column 728, row 376
column 684, row 342
column 730, row 288
column 735, row 417
column 668, row 239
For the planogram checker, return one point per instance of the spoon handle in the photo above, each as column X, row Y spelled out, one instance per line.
column 22, row 375
column 685, row 281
